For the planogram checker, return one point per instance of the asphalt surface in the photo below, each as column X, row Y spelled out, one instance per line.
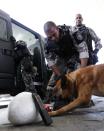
column 81, row 119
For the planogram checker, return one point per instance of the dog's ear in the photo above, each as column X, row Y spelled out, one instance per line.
column 63, row 82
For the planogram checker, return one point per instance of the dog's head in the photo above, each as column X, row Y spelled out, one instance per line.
column 63, row 87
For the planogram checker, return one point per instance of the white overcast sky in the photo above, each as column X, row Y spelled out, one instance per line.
column 34, row 13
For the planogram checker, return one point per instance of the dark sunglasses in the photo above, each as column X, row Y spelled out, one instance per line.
column 78, row 17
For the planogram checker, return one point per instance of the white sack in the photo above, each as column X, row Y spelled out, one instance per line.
column 22, row 110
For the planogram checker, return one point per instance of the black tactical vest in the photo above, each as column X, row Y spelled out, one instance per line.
column 64, row 48
column 86, row 36
column 93, row 59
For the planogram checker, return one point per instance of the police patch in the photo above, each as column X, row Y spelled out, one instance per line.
column 79, row 36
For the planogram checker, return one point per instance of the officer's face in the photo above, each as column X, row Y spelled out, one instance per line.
column 79, row 20
column 53, row 34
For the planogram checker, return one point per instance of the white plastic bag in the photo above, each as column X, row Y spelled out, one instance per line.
column 22, row 110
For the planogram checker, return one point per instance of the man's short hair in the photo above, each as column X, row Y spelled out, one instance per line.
column 48, row 25
column 79, row 15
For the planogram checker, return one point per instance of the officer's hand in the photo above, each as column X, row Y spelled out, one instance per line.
column 95, row 58
column 95, row 51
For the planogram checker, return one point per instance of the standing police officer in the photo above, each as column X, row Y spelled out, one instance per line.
column 88, row 35
column 62, row 52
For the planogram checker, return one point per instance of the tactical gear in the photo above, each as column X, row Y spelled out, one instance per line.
column 63, row 53
column 20, row 51
column 96, row 51
column 26, row 69
column 78, row 37
column 28, row 74
column 65, row 28
column 93, row 58
column 62, row 47
column 89, row 35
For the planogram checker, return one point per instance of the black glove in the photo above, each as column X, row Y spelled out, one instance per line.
column 95, row 58
column 96, row 51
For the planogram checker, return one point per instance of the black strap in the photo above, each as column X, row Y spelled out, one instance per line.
column 6, row 52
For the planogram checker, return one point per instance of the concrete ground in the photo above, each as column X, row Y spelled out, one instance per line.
column 81, row 119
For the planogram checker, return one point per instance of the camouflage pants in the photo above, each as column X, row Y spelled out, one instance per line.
column 28, row 74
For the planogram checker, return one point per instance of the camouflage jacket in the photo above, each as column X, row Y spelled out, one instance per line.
column 89, row 35
column 66, row 47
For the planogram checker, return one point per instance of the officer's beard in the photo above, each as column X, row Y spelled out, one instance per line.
column 79, row 25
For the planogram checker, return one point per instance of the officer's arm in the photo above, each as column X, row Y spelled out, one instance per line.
column 56, row 70
column 83, row 62
column 50, row 57
column 96, row 39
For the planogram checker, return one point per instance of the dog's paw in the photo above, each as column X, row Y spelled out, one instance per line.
column 52, row 113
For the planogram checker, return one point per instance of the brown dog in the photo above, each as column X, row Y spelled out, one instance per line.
column 82, row 83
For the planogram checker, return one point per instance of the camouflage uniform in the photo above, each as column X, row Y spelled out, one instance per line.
column 65, row 53
column 28, row 74
column 89, row 35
